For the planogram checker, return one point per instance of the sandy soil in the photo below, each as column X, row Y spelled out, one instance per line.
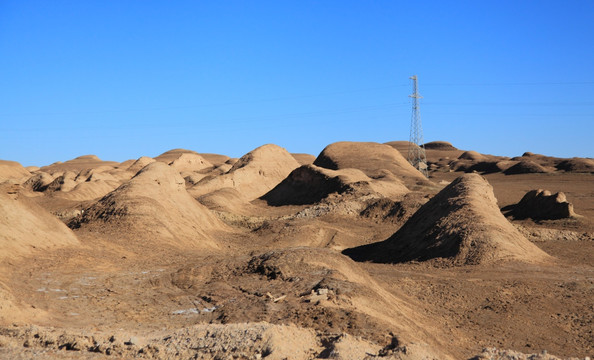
column 150, row 272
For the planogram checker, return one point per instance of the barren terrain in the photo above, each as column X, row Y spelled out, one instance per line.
column 349, row 254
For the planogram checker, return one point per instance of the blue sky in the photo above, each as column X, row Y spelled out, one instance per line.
column 123, row 79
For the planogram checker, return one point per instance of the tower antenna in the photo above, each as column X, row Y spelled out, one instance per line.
column 416, row 149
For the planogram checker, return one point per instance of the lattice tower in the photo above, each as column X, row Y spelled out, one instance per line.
column 416, row 150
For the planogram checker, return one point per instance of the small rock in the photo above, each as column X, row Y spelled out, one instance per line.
column 133, row 341
column 322, row 291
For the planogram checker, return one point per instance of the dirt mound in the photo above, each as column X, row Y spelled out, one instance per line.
column 304, row 159
column 485, row 167
column 12, row 170
column 462, row 224
column 525, row 167
column 253, row 175
column 169, row 156
column 64, row 182
column 370, row 158
column 125, row 164
column 540, row 159
column 396, row 212
column 225, row 199
column 217, row 159
column 439, row 145
column 99, row 173
column 39, row 181
column 309, row 184
column 25, row 226
column 578, row 165
column 137, row 165
column 472, row 155
column 542, row 205
column 190, row 162
column 88, row 184
column 88, row 190
column 153, row 205
column 503, row 165
column 401, row 146
column 78, row 164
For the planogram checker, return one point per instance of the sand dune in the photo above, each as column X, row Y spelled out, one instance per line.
column 462, row 224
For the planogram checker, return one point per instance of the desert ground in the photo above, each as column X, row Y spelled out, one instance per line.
column 347, row 254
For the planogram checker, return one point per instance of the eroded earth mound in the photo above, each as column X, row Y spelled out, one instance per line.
column 12, row 170
column 370, row 158
column 25, row 226
column 253, row 175
column 462, row 224
column 309, row 184
column 543, row 205
column 153, row 206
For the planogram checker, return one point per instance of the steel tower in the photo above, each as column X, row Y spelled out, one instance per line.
column 416, row 150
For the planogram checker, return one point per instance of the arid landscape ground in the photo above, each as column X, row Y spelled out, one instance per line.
column 347, row 254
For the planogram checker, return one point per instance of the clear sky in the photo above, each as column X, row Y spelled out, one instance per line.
column 123, row 79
